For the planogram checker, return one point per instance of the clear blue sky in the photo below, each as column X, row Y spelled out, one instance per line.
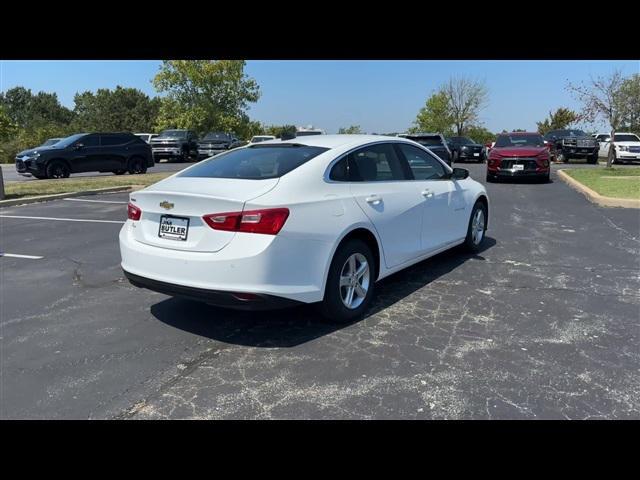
column 380, row 96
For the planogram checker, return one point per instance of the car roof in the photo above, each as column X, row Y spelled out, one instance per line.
column 333, row 141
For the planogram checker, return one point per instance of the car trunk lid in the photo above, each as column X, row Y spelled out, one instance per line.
column 179, row 203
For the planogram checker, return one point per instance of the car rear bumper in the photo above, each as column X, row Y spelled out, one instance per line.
column 268, row 265
column 235, row 300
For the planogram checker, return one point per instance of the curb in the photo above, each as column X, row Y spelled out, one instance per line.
column 595, row 197
column 56, row 196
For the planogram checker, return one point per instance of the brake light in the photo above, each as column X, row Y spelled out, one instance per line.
column 133, row 212
column 268, row 221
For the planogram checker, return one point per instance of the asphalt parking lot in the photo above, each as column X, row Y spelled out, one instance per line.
column 543, row 323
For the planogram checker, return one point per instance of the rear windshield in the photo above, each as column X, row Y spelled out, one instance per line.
column 255, row 163
column 519, row 141
column 427, row 141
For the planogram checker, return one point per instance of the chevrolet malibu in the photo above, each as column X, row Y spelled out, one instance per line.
column 317, row 219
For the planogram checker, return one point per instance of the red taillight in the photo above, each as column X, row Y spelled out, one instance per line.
column 269, row 221
column 133, row 212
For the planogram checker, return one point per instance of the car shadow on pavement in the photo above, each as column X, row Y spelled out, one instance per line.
column 294, row 326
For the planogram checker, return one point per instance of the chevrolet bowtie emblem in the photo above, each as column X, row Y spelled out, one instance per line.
column 166, row 205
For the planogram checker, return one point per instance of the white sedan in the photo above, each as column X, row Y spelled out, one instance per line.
column 312, row 219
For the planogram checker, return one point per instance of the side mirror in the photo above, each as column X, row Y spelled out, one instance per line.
column 459, row 174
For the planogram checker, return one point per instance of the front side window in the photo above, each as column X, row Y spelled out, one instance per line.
column 423, row 166
column 89, row 141
column 258, row 162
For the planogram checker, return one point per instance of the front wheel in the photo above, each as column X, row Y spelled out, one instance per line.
column 593, row 159
column 477, row 228
column 561, row 157
column 57, row 169
column 350, row 282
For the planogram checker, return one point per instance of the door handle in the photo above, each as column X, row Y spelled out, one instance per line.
column 427, row 193
column 373, row 199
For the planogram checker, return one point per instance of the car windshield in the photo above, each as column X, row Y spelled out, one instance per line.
column 426, row 141
column 65, row 142
column 216, row 136
column 626, row 137
column 519, row 141
column 258, row 162
column 573, row 133
column 51, row 141
column 173, row 133
column 260, row 139
column 461, row 140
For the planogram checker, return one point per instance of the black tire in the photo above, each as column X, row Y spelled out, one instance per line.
column 58, row 169
column 333, row 308
column 491, row 178
column 561, row 157
column 137, row 165
column 546, row 178
column 471, row 242
column 185, row 156
column 119, row 172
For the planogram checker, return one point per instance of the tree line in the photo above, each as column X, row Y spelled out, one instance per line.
column 206, row 95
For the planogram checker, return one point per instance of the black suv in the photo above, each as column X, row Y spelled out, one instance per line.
column 216, row 142
column 87, row 152
column 433, row 141
column 179, row 145
column 463, row 148
column 567, row 144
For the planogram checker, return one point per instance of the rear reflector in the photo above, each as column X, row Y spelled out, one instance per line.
column 133, row 212
column 269, row 221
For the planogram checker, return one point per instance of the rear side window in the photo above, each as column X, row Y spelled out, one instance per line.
column 423, row 165
column 255, row 163
column 375, row 163
column 108, row 140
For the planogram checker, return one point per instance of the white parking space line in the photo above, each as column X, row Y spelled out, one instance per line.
column 15, row 255
column 62, row 219
column 92, row 201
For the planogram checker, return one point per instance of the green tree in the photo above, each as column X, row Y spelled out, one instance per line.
column 353, row 129
column 630, row 92
column 204, row 95
column 479, row 134
column 435, row 116
column 280, row 130
column 561, row 118
column 28, row 111
column 7, row 128
column 121, row 109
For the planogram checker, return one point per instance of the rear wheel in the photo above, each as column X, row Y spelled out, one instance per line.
column 477, row 227
column 593, row 159
column 57, row 169
column 137, row 166
column 350, row 282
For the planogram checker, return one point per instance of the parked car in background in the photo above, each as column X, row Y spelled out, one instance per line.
column 228, row 230
column 216, row 142
column 567, row 144
column 146, row 136
column 180, row 145
column 519, row 154
column 627, row 147
column 433, row 141
column 260, row 138
column 87, row 152
column 309, row 130
column 464, row 149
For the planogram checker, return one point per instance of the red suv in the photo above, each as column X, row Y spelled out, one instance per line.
column 519, row 154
